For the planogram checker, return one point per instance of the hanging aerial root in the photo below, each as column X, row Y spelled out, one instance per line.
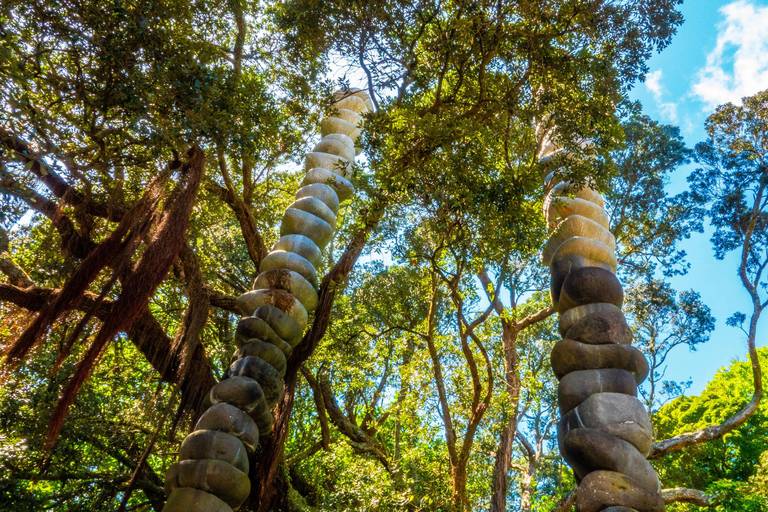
column 139, row 285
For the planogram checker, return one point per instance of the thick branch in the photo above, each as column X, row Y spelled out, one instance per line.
column 55, row 183
column 693, row 496
column 146, row 333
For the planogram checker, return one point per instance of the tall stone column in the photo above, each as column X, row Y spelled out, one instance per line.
column 604, row 432
column 212, row 472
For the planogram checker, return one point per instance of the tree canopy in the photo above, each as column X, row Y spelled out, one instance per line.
column 148, row 149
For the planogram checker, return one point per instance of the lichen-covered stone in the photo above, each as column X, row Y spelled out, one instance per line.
column 603, row 489
column 576, row 387
column 259, row 370
column 568, row 189
column 561, row 267
column 336, row 125
column 228, row 418
column 316, row 207
column 323, row 192
column 281, row 299
column 557, row 208
column 587, row 450
column 589, row 285
column 335, row 147
column 298, row 222
column 343, row 188
column 573, row 315
column 290, row 261
column 576, row 225
column 263, row 350
column 212, row 476
column 601, row 328
column 291, row 282
column 285, row 326
column 251, row 327
column 212, row 444
column 569, row 356
column 241, row 391
column 619, row 415
column 300, row 245
column 187, row 499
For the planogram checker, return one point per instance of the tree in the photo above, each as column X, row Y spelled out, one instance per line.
column 724, row 465
column 661, row 321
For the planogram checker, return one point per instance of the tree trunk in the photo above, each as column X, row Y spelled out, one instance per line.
column 500, row 483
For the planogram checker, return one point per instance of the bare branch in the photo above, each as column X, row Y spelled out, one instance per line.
column 693, row 496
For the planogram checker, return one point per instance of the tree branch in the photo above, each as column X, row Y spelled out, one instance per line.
column 693, row 496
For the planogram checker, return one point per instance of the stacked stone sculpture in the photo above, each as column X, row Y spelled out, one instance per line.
column 604, row 432
column 212, row 472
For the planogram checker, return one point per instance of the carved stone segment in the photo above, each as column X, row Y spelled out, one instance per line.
column 346, row 114
column 300, row 245
column 589, row 285
column 212, row 444
column 566, row 188
column 558, row 208
column 587, row 450
column 333, row 163
column 281, row 299
column 290, row 261
column 212, row 476
column 587, row 248
column 187, row 499
column 285, row 326
column 619, row 509
column 561, row 267
column 290, row 281
column 298, row 222
column 316, row 207
column 263, row 350
column 251, row 327
column 228, row 418
column 323, row 192
column 259, row 370
column 344, row 139
column 340, row 185
column 573, row 315
column 576, row 225
column 570, row 356
column 603, row 489
column 335, row 147
column 354, row 103
column 242, row 392
column 576, row 387
column 353, row 91
column 619, row 415
column 601, row 328
column 335, row 125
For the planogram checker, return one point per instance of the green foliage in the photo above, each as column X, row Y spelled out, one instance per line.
column 732, row 460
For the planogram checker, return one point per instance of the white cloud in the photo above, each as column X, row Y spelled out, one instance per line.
column 668, row 110
column 653, row 83
column 738, row 65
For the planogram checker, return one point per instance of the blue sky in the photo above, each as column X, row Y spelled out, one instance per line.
column 720, row 54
